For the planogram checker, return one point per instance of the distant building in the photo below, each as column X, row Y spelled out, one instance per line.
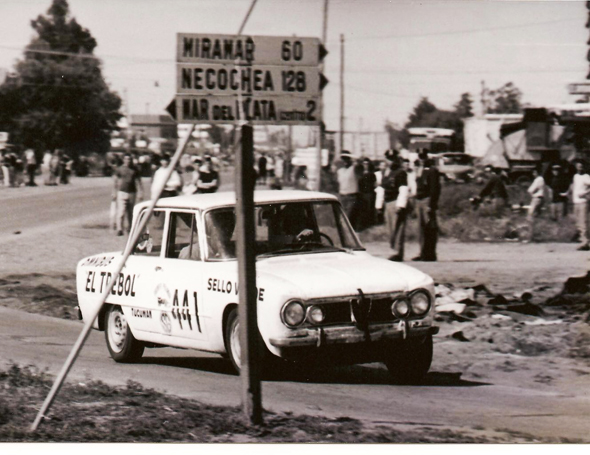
column 150, row 132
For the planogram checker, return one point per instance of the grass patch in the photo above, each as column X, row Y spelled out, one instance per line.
column 96, row 412
column 458, row 220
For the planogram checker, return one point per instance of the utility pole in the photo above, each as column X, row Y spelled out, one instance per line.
column 341, row 94
column 128, row 118
column 322, row 127
column 484, row 107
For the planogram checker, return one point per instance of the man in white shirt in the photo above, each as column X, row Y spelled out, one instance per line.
column 580, row 190
column 172, row 186
column 348, row 186
column 537, row 192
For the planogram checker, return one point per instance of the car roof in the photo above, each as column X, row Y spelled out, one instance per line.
column 228, row 198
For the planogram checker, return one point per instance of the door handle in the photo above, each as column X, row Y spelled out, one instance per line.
column 158, row 268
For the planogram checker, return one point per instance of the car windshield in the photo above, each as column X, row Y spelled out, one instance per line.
column 283, row 228
column 457, row 159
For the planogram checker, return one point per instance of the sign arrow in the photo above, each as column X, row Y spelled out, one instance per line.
column 322, row 52
column 323, row 81
column 171, row 108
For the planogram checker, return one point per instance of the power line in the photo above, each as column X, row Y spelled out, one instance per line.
column 460, row 72
column 464, row 31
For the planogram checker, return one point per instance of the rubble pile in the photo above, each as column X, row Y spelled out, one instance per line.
column 517, row 324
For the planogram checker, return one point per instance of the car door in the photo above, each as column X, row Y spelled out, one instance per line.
column 182, row 273
column 144, row 265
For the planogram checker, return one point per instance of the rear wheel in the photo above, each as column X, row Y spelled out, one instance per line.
column 409, row 361
column 121, row 343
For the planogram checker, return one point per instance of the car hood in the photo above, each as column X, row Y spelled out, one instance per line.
column 340, row 274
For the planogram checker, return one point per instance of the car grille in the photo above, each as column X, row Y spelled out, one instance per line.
column 338, row 310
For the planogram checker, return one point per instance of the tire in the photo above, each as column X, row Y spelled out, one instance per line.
column 121, row 343
column 232, row 339
column 270, row 364
column 409, row 361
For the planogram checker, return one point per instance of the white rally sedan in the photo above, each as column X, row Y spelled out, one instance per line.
column 320, row 295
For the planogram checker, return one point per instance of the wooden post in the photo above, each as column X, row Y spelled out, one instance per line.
column 249, row 339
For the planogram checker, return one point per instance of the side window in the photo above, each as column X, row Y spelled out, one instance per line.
column 183, row 242
column 150, row 240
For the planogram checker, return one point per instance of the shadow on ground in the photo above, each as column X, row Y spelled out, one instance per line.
column 357, row 374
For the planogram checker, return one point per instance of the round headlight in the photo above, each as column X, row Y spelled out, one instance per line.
column 293, row 314
column 400, row 308
column 316, row 314
column 420, row 303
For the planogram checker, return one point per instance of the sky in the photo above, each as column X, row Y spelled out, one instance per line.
column 396, row 51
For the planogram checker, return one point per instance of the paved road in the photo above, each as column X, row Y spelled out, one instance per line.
column 25, row 209
column 361, row 391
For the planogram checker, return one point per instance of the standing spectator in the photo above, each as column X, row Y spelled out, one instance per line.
column 54, row 168
column 208, row 177
column 395, row 185
column 380, row 193
column 427, row 196
column 127, row 187
column 65, row 169
column 300, row 178
column 31, row 166
column 172, row 186
column 559, row 182
column 262, row 161
column 348, row 187
column 580, row 193
column 367, row 184
column 411, row 178
column 270, row 166
column 18, row 169
column 537, row 192
column 495, row 190
column 279, row 166
column 6, row 168
column 46, row 167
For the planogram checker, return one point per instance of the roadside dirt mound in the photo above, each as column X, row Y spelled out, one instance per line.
column 51, row 295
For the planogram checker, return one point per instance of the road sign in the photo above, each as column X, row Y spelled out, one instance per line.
column 256, row 50
column 258, row 110
column 264, row 80
column 579, row 88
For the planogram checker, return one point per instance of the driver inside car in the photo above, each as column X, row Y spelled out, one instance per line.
column 292, row 224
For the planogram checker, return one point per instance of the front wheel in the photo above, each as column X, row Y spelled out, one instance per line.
column 269, row 362
column 409, row 361
column 121, row 343
column 232, row 339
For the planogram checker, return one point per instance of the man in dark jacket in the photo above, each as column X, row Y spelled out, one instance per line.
column 495, row 190
column 559, row 182
column 395, row 186
column 427, row 196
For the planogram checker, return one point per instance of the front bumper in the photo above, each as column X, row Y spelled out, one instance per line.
column 321, row 336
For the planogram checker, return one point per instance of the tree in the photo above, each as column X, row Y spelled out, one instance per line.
column 59, row 98
column 464, row 108
column 504, row 100
column 427, row 115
